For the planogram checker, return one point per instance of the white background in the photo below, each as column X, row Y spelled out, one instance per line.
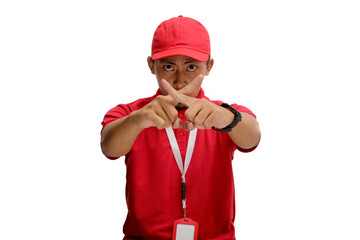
column 63, row 64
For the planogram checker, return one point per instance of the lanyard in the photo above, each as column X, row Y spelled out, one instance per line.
column 176, row 151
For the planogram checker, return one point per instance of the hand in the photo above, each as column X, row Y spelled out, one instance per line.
column 201, row 113
column 159, row 113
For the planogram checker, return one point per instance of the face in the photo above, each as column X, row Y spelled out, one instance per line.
column 179, row 71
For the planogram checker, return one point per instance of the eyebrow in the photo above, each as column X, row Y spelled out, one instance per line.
column 189, row 61
column 166, row 61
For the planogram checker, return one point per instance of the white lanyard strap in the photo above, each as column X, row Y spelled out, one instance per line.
column 176, row 150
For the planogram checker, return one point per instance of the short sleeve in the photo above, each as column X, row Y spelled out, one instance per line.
column 115, row 113
column 122, row 110
column 243, row 109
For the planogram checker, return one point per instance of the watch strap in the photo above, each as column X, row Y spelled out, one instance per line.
column 236, row 120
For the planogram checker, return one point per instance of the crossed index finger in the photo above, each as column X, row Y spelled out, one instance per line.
column 178, row 96
column 192, row 89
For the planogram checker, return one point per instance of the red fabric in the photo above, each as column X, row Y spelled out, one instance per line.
column 153, row 187
column 181, row 36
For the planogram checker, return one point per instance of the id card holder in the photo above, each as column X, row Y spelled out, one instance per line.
column 185, row 229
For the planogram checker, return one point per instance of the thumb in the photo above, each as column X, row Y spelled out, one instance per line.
column 178, row 123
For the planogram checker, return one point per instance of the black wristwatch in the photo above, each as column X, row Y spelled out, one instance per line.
column 236, row 120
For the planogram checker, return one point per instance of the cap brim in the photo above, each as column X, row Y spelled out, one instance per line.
column 199, row 56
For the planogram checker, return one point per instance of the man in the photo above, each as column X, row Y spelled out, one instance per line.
column 179, row 122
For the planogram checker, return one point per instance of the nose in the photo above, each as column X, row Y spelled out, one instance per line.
column 180, row 81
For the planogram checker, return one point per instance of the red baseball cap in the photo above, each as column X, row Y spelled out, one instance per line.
column 181, row 36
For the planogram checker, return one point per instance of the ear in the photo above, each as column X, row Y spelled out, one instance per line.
column 209, row 66
column 151, row 64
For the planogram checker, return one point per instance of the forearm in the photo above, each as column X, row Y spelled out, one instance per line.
column 119, row 136
column 246, row 134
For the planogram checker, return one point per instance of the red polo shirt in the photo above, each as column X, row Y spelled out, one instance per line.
column 153, row 186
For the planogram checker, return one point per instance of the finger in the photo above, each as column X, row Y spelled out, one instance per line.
column 170, row 111
column 164, row 106
column 178, row 123
column 210, row 121
column 179, row 97
column 199, row 106
column 189, row 126
column 162, row 114
column 193, row 88
column 158, row 109
column 157, row 121
column 201, row 117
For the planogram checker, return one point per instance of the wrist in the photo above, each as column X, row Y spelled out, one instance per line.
column 236, row 119
column 134, row 121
